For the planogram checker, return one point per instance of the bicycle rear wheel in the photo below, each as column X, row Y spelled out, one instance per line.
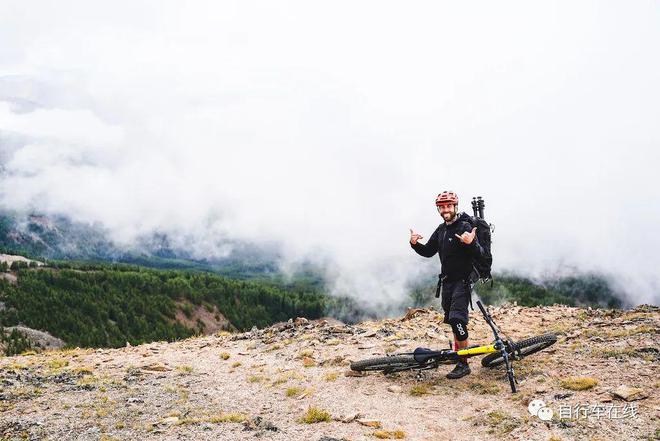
column 393, row 363
column 521, row 349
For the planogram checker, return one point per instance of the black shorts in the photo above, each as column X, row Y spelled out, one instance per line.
column 455, row 300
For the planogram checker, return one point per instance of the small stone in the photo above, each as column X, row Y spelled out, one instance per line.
column 270, row 426
column 157, row 367
column 258, row 422
column 170, row 420
column 299, row 321
column 394, row 388
column 350, row 418
column 366, row 346
column 370, row 423
column 352, row 373
column 338, row 329
column 629, row 393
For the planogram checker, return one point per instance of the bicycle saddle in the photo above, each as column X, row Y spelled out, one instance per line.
column 421, row 355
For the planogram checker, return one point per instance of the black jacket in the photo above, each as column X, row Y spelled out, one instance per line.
column 455, row 256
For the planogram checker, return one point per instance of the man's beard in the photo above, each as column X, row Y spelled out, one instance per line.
column 451, row 219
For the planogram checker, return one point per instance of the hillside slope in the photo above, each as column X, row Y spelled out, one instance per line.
column 234, row 386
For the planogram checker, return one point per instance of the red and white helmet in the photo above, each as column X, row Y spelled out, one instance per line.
column 446, row 197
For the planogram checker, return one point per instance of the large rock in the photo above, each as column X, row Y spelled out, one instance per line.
column 629, row 393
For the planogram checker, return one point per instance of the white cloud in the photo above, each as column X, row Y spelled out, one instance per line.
column 332, row 127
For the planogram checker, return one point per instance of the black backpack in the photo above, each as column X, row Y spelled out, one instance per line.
column 482, row 265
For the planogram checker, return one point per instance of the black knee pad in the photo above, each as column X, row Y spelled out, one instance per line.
column 459, row 327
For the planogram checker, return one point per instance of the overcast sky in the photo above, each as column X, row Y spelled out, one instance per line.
column 331, row 127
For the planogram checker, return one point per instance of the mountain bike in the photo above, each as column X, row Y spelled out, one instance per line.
column 503, row 352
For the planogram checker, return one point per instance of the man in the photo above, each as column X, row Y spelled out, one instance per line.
column 456, row 243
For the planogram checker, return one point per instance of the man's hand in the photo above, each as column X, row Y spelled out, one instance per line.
column 466, row 237
column 414, row 237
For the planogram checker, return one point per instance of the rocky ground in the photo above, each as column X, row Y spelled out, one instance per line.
column 292, row 382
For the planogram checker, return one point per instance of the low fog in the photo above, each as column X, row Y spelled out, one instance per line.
column 329, row 128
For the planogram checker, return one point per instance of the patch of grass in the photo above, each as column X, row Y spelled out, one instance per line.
column 489, row 388
column 305, row 353
column 225, row 355
column 294, row 391
column 620, row 332
column 420, row 389
column 315, row 415
column 386, row 434
column 184, row 395
column 286, row 376
column 105, row 408
column 255, row 378
column 57, row 363
column 185, row 369
column 578, row 383
column 391, row 349
column 501, row 422
column 16, row 366
column 69, row 352
column 236, row 364
column 25, row 392
column 82, row 370
column 618, row 353
column 561, row 327
column 331, row 376
column 227, row 418
column 636, row 315
column 87, row 380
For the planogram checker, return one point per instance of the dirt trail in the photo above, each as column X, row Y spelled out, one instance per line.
column 261, row 383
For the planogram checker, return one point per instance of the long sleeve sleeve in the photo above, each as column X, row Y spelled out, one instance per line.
column 475, row 247
column 430, row 248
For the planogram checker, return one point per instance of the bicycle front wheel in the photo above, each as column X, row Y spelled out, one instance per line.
column 392, row 363
column 521, row 349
